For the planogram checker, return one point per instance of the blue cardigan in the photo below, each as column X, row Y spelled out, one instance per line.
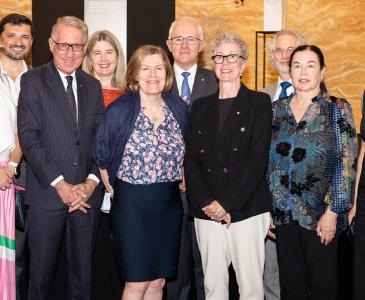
column 116, row 127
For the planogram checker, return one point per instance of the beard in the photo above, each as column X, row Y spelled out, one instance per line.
column 15, row 54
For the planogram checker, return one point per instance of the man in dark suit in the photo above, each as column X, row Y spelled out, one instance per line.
column 282, row 45
column 59, row 107
column 191, row 82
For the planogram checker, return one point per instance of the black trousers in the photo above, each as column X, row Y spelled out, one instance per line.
column 307, row 268
column 359, row 245
column 46, row 229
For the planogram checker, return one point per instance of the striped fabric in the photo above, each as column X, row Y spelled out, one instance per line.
column 7, row 243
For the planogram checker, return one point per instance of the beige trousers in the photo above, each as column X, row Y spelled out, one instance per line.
column 243, row 245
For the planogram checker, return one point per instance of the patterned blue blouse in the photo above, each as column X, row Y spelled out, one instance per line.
column 312, row 163
column 151, row 155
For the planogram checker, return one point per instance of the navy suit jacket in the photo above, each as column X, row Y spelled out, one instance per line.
column 205, row 83
column 51, row 142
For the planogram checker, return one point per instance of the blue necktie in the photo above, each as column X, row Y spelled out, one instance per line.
column 284, row 86
column 185, row 89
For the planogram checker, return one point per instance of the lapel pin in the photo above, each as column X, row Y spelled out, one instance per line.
column 203, row 79
column 237, row 113
column 243, row 129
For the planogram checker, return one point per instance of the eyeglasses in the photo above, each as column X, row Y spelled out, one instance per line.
column 281, row 51
column 190, row 40
column 65, row 46
column 231, row 58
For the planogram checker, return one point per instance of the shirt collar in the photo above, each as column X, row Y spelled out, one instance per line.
column 24, row 69
column 191, row 70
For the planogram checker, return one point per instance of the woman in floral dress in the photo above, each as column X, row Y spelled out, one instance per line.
column 311, row 175
column 140, row 143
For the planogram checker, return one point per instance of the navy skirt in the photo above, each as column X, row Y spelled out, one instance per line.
column 146, row 224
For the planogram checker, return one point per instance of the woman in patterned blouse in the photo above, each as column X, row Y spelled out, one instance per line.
column 311, row 174
column 140, row 143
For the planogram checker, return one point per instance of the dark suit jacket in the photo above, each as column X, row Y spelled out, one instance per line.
column 229, row 166
column 205, row 83
column 49, row 137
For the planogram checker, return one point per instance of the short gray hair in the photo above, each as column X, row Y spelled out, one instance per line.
column 296, row 34
column 187, row 19
column 228, row 37
column 73, row 22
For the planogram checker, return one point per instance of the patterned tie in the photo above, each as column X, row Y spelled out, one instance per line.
column 71, row 97
column 284, row 86
column 185, row 89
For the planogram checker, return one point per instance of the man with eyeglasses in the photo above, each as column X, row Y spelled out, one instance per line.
column 281, row 47
column 191, row 82
column 59, row 107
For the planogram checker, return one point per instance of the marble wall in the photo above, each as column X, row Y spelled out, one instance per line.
column 216, row 16
column 336, row 26
column 23, row 7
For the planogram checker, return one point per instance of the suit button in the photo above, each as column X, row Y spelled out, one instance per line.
column 74, row 164
column 225, row 170
column 235, row 149
column 201, row 150
column 77, row 143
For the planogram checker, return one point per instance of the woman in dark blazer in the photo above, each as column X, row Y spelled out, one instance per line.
column 227, row 154
column 140, row 142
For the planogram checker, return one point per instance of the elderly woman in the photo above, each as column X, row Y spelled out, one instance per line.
column 311, row 176
column 226, row 159
column 140, row 142
column 104, row 59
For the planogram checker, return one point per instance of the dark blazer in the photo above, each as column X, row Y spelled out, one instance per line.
column 48, row 135
column 205, row 83
column 117, row 125
column 229, row 166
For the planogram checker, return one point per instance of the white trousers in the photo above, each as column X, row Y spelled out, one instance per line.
column 243, row 245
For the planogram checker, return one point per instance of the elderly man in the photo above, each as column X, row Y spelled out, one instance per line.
column 191, row 82
column 15, row 44
column 282, row 45
column 59, row 107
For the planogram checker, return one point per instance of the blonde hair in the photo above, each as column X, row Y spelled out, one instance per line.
column 73, row 22
column 118, row 80
column 135, row 62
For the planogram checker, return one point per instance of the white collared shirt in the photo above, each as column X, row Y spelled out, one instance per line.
column 179, row 78
column 289, row 90
column 12, row 86
column 74, row 86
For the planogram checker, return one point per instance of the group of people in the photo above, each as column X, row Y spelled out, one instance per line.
column 203, row 172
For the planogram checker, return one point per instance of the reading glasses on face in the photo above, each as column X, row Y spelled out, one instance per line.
column 190, row 40
column 66, row 47
column 231, row 58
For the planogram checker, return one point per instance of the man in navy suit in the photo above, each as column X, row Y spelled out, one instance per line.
column 191, row 82
column 59, row 107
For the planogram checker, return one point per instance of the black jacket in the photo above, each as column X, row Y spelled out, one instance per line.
column 229, row 166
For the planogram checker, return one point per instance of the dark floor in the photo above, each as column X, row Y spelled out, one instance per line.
column 106, row 285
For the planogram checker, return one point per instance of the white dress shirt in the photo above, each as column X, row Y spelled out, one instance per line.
column 289, row 90
column 179, row 78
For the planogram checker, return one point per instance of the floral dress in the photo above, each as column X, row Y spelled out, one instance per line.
column 153, row 155
column 312, row 163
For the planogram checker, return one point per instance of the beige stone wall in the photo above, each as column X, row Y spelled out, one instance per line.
column 338, row 28
column 217, row 16
column 23, row 7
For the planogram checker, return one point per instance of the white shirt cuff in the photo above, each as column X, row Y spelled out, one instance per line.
column 93, row 177
column 57, row 180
